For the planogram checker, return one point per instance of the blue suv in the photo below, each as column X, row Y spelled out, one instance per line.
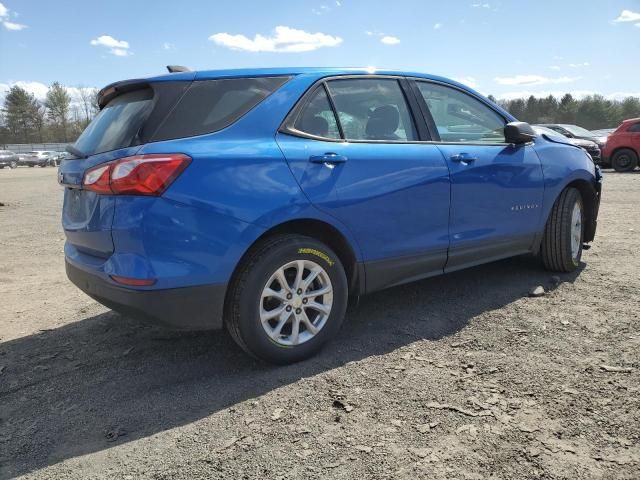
column 260, row 200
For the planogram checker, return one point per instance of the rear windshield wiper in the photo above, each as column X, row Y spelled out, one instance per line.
column 75, row 152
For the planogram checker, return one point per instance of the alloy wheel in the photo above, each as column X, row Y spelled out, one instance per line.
column 296, row 302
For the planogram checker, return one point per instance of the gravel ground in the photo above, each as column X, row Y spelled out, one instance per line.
column 462, row 376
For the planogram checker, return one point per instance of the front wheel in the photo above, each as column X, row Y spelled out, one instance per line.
column 624, row 160
column 287, row 300
column 562, row 242
column 13, row 165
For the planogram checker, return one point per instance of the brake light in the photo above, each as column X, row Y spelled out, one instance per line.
column 137, row 175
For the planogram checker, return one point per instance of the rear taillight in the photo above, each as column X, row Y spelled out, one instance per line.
column 137, row 175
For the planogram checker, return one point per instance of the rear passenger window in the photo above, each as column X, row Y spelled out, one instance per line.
column 459, row 117
column 635, row 128
column 211, row 105
column 317, row 117
column 372, row 109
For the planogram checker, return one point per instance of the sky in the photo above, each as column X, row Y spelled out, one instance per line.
column 507, row 48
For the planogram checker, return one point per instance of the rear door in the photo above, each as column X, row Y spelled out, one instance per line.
column 366, row 167
column 497, row 188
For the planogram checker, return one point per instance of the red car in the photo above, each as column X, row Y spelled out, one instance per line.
column 622, row 149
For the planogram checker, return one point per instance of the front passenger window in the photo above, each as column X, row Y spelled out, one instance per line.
column 459, row 117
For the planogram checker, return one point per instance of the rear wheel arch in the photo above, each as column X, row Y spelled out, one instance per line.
column 321, row 231
column 617, row 149
column 620, row 149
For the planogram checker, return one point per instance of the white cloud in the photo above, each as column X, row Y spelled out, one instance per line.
column 321, row 10
column 286, row 39
column 4, row 15
column 390, row 40
column 533, row 80
column 109, row 41
column 628, row 16
column 578, row 65
column 168, row 46
column 468, row 81
column 437, row 26
column 119, row 48
column 554, row 67
column 338, row 3
column 481, row 5
column 13, row 26
column 119, row 52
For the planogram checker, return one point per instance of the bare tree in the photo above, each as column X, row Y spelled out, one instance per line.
column 85, row 99
column 39, row 114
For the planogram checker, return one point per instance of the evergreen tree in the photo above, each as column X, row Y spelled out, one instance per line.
column 19, row 113
column 58, row 102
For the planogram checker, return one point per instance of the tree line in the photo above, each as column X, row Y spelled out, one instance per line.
column 59, row 118
column 591, row 112
column 62, row 116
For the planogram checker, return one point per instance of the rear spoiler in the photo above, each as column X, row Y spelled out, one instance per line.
column 111, row 91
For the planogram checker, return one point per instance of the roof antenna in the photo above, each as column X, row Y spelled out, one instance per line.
column 177, row 68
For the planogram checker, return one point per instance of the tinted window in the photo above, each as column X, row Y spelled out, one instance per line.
column 212, row 105
column 317, row 117
column 460, row 117
column 635, row 128
column 372, row 109
column 118, row 124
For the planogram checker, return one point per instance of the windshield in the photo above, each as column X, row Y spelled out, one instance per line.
column 550, row 133
column 578, row 131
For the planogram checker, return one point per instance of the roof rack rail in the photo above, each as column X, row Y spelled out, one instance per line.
column 177, row 68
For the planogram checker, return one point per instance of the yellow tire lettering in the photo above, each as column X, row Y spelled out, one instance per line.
column 317, row 253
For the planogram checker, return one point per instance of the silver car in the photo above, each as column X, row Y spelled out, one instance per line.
column 8, row 159
column 40, row 158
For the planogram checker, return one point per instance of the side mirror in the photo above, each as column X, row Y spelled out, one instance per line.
column 519, row 133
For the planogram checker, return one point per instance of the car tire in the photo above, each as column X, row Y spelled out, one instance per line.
column 13, row 165
column 624, row 160
column 261, row 313
column 561, row 247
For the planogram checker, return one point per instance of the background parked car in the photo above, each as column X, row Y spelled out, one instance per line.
column 574, row 131
column 40, row 158
column 8, row 159
column 57, row 157
column 603, row 132
column 623, row 146
column 592, row 148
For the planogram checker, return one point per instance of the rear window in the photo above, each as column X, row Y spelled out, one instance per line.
column 119, row 124
column 211, row 105
column 168, row 110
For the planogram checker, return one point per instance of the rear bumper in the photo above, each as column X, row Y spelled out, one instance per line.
column 186, row 308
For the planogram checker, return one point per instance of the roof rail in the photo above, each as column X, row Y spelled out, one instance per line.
column 177, row 68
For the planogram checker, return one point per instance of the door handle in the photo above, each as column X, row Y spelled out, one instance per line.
column 329, row 157
column 463, row 158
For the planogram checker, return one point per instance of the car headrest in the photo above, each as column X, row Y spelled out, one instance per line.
column 383, row 122
column 315, row 125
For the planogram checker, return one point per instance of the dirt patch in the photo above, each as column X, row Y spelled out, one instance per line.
column 462, row 376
